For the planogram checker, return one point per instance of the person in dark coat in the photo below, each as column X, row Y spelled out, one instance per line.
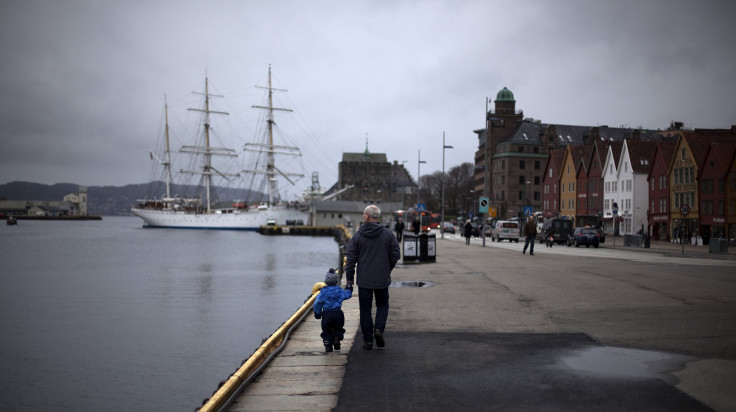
column 530, row 232
column 375, row 251
column 328, row 307
column 416, row 226
column 399, row 229
column 468, row 231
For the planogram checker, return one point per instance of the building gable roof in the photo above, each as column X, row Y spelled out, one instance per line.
column 641, row 154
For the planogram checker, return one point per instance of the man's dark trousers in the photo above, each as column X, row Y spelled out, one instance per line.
column 529, row 241
column 365, row 300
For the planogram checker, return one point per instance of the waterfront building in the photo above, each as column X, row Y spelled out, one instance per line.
column 611, row 205
column 712, row 184
column 375, row 180
column 73, row 204
column 659, row 191
column 635, row 162
column 513, row 151
column 551, row 182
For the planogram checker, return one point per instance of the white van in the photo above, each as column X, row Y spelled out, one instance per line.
column 506, row 229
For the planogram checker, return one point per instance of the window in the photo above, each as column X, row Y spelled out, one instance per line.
column 536, row 196
column 521, row 195
column 522, row 180
column 520, row 149
column 682, row 154
column 651, row 208
column 550, row 172
column 536, row 149
column 536, row 165
column 536, row 180
column 503, row 165
column 721, row 186
column 522, row 164
column 652, row 185
column 721, row 207
column 555, row 186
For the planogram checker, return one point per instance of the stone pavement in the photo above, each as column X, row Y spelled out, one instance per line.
column 467, row 341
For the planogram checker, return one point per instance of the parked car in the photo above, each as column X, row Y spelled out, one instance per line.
column 448, row 227
column 506, row 229
column 584, row 236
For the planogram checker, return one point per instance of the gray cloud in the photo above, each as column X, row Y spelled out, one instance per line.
column 83, row 81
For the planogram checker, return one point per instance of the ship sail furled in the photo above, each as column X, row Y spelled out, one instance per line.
column 269, row 149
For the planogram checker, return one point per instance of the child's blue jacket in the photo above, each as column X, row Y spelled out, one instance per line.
column 330, row 298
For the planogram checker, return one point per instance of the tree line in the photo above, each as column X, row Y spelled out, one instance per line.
column 458, row 184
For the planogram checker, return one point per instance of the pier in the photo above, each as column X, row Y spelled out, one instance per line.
column 490, row 328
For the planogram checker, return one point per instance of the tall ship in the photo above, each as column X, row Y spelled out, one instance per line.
column 204, row 210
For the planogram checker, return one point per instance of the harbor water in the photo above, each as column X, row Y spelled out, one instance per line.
column 109, row 316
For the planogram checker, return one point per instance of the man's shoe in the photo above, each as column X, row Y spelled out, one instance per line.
column 328, row 348
column 523, row 252
column 532, row 254
column 337, row 345
column 367, row 345
column 378, row 334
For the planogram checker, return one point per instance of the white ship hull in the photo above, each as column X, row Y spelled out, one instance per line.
column 226, row 219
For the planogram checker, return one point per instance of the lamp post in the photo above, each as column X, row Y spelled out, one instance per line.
column 419, row 164
column 442, row 208
column 403, row 192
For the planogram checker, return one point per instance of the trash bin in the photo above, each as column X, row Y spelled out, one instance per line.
column 718, row 245
column 410, row 247
column 427, row 247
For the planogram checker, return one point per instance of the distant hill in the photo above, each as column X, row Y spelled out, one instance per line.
column 109, row 200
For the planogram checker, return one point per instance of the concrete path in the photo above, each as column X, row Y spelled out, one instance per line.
column 492, row 329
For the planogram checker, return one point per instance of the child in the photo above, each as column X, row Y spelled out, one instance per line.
column 328, row 307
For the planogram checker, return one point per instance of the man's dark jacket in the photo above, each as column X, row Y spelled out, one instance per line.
column 375, row 250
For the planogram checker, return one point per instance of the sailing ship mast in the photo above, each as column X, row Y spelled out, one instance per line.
column 269, row 148
column 207, row 150
column 167, row 163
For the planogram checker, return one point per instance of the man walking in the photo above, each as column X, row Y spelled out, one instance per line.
column 375, row 250
column 530, row 231
column 399, row 229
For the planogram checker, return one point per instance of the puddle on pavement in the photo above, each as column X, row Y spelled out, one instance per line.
column 628, row 363
column 411, row 284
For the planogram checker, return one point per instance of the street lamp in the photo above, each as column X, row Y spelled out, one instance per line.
column 403, row 192
column 442, row 208
column 419, row 164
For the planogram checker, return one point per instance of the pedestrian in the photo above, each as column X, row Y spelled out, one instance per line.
column 467, row 231
column 530, row 231
column 399, row 229
column 375, row 250
column 416, row 226
column 328, row 307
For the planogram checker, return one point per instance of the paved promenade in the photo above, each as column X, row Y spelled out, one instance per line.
column 491, row 329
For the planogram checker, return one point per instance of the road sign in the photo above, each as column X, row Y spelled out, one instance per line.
column 684, row 210
column 527, row 210
column 483, row 205
column 421, row 207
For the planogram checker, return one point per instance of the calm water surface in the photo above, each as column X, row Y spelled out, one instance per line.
column 110, row 316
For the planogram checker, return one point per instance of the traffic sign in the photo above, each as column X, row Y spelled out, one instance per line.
column 483, row 205
column 684, row 210
column 527, row 210
column 421, row 207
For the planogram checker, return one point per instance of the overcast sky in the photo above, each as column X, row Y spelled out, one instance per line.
column 83, row 82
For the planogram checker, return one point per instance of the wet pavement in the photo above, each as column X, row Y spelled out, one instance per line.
column 443, row 371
